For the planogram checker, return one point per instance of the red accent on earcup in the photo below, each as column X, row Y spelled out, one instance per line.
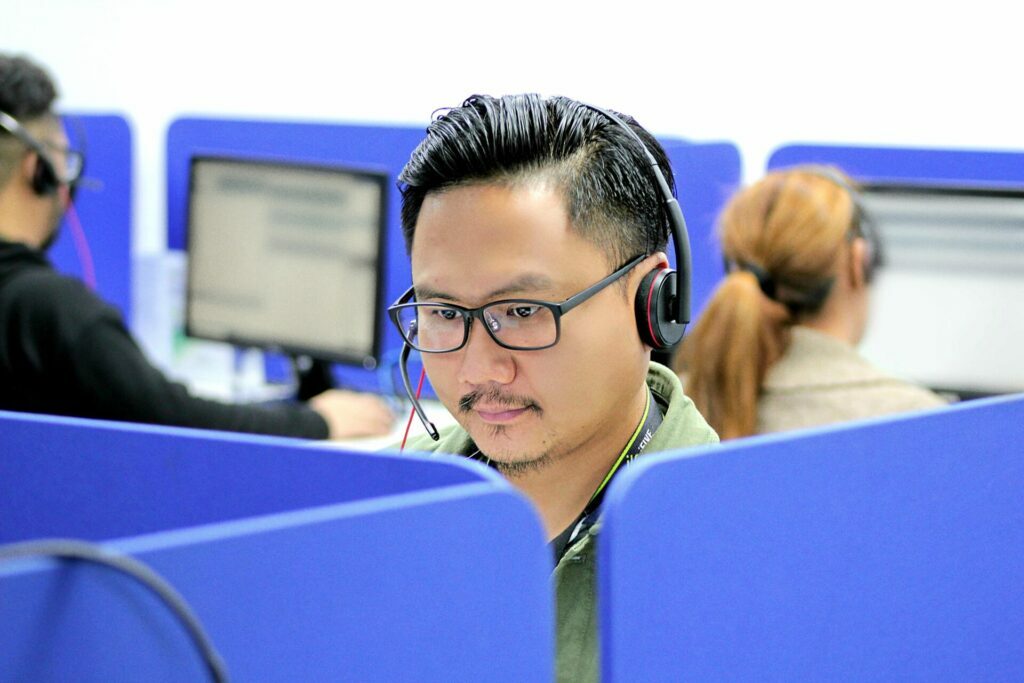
column 646, row 306
column 653, row 307
column 651, row 314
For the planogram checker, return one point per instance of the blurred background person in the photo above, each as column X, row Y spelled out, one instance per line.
column 63, row 350
column 775, row 349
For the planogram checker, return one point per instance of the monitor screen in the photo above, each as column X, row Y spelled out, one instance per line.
column 947, row 308
column 287, row 256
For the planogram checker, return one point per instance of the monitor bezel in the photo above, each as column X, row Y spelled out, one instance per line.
column 380, row 177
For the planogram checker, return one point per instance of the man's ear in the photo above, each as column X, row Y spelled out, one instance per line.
column 858, row 265
column 27, row 167
column 656, row 260
column 651, row 262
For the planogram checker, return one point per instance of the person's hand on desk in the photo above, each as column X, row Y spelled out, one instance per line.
column 350, row 414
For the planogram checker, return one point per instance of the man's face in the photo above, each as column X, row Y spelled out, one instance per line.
column 480, row 243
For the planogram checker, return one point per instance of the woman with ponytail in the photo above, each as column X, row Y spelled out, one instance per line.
column 775, row 347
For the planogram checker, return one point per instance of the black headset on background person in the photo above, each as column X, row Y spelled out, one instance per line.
column 662, row 303
column 44, row 179
column 862, row 223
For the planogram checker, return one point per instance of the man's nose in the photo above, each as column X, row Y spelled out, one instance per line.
column 484, row 361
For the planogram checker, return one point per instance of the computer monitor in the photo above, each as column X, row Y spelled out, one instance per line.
column 287, row 256
column 947, row 308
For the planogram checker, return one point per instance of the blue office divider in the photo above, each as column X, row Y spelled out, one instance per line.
column 896, row 164
column 303, row 562
column 887, row 550
column 104, row 209
column 707, row 174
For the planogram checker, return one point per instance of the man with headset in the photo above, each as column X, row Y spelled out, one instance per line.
column 536, row 230
column 62, row 350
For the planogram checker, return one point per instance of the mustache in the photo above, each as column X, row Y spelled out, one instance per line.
column 494, row 396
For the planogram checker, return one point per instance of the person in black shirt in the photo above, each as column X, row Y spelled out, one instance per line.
column 63, row 350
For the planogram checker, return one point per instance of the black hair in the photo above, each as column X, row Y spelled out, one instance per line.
column 612, row 196
column 26, row 89
column 26, row 93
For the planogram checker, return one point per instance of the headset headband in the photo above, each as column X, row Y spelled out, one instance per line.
column 676, row 222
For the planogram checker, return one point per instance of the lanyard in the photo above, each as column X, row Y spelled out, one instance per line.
column 642, row 435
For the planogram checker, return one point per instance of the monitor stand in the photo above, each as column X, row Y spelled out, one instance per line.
column 314, row 376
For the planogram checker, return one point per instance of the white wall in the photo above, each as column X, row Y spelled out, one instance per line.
column 758, row 74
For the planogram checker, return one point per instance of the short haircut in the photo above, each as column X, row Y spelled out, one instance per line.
column 27, row 93
column 611, row 193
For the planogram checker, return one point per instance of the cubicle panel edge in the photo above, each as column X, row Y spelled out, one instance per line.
column 707, row 174
column 918, row 164
column 95, row 239
column 98, row 480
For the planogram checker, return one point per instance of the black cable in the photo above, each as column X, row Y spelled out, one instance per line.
column 73, row 549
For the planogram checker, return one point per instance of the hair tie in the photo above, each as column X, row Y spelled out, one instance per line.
column 764, row 280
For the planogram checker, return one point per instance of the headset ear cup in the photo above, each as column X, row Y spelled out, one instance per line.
column 44, row 178
column 653, row 307
column 640, row 307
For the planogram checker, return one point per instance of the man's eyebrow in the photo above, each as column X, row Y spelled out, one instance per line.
column 522, row 284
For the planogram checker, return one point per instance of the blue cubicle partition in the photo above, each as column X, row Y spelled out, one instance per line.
column 706, row 174
column 962, row 168
column 104, row 209
column 888, row 550
column 304, row 562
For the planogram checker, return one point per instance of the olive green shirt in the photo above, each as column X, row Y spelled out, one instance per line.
column 574, row 578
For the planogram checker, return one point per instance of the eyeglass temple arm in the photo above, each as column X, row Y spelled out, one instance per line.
column 403, row 364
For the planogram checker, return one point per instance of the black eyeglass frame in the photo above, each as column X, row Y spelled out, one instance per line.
column 15, row 128
column 468, row 314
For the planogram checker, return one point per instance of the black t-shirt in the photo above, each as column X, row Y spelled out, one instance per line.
column 64, row 351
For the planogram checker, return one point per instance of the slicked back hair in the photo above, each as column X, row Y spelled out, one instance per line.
column 611, row 195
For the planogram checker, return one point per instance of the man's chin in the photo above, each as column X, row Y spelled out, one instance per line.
column 518, row 467
column 510, row 456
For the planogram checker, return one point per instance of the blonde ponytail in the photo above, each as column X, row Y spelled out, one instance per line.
column 726, row 356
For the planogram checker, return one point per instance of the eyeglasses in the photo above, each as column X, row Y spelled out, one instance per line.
column 516, row 324
column 74, row 162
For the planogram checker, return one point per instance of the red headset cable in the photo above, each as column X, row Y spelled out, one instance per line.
column 412, row 412
column 81, row 246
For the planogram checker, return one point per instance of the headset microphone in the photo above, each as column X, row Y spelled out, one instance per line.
column 403, row 364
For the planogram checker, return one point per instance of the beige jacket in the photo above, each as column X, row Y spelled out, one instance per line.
column 822, row 380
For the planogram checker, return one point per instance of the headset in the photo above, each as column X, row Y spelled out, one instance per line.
column 863, row 223
column 45, row 180
column 662, row 303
